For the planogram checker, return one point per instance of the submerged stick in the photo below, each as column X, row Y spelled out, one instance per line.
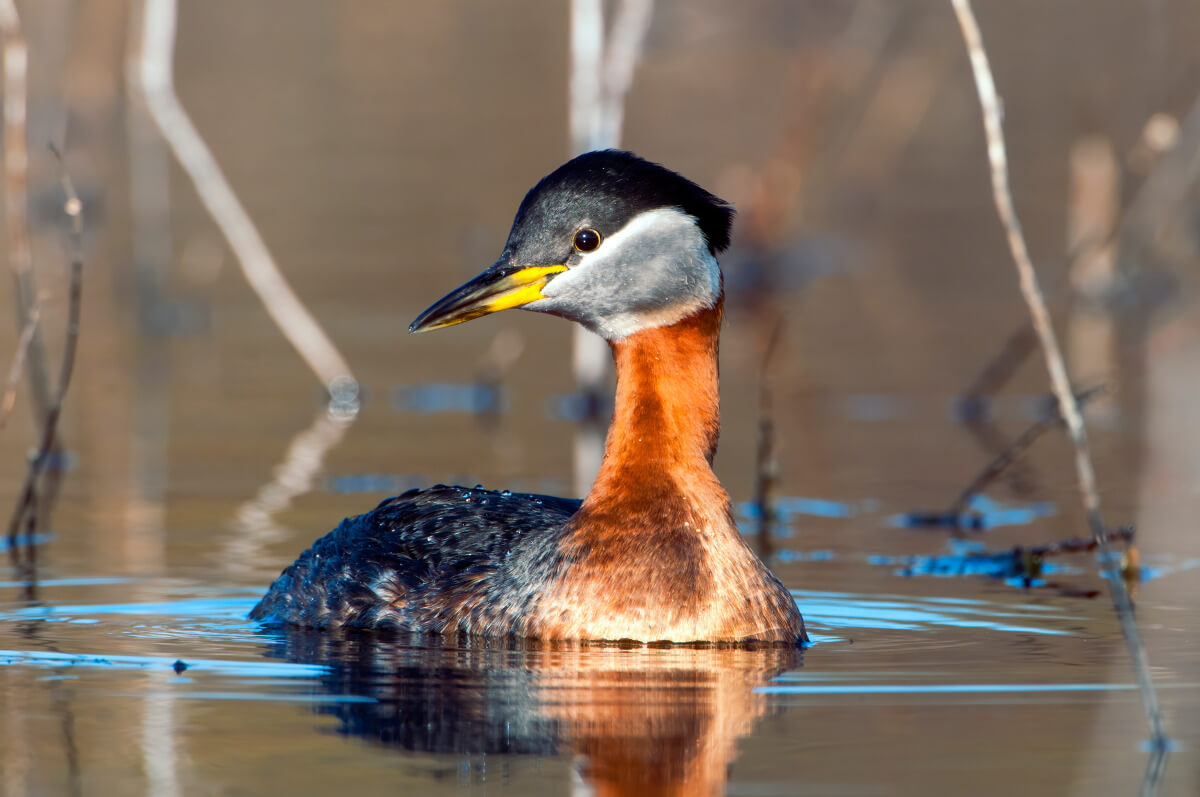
column 255, row 521
column 1018, row 447
column 1001, row 368
column 258, row 265
column 26, row 508
column 73, row 207
column 766, row 463
column 14, row 372
column 998, row 159
column 1027, row 562
column 1078, row 545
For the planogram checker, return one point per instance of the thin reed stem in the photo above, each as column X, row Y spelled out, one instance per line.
column 16, row 181
column 9, row 397
column 1008, row 456
column 218, row 197
column 26, row 508
column 602, row 69
column 989, row 100
column 766, row 462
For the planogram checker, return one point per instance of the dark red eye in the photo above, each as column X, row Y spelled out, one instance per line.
column 586, row 240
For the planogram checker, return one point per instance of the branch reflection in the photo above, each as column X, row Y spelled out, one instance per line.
column 254, row 524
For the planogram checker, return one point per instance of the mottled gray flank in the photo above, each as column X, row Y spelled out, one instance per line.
column 440, row 560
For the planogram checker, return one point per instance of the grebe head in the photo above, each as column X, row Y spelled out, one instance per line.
column 608, row 239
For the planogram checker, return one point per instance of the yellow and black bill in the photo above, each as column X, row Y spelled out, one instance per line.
column 501, row 287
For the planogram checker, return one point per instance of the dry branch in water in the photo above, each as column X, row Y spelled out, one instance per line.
column 1068, row 406
column 218, row 197
column 26, row 510
column 1009, row 455
column 766, row 463
column 255, row 525
column 1027, row 561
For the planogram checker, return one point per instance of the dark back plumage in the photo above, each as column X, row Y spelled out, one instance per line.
column 410, row 562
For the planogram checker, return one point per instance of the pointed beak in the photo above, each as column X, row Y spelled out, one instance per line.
column 501, row 287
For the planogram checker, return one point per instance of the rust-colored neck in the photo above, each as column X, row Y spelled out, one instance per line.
column 667, row 416
column 654, row 553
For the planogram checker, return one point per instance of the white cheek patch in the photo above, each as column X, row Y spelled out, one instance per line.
column 654, row 271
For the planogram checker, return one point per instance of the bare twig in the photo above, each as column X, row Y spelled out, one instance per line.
column 625, row 44
column 73, row 207
column 1018, row 447
column 587, row 72
column 1000, row 368
column 14, row 373
column 600, row 78
column 218, row 197
column 976, row 417
column 1027, row 562
column 1165, row 188
column 294, row 476
column 766, row 470
column 998, row 158
column 26, row 508
column 589, row 355
column 1156, row 201
column 1078, row 545
column 255, row 522
column 601, row 75
column 1156, row 767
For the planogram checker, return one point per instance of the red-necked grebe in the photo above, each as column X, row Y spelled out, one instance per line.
column 628, row 249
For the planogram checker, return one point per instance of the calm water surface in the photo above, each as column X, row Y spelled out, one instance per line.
column 159, row 685
column 383, row 154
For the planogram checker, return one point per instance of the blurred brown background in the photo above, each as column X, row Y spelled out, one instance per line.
column 382, row 147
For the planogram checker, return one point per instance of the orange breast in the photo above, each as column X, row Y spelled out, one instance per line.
column 653, row 553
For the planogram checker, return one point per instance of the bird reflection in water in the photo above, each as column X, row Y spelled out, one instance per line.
column 640, row 720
